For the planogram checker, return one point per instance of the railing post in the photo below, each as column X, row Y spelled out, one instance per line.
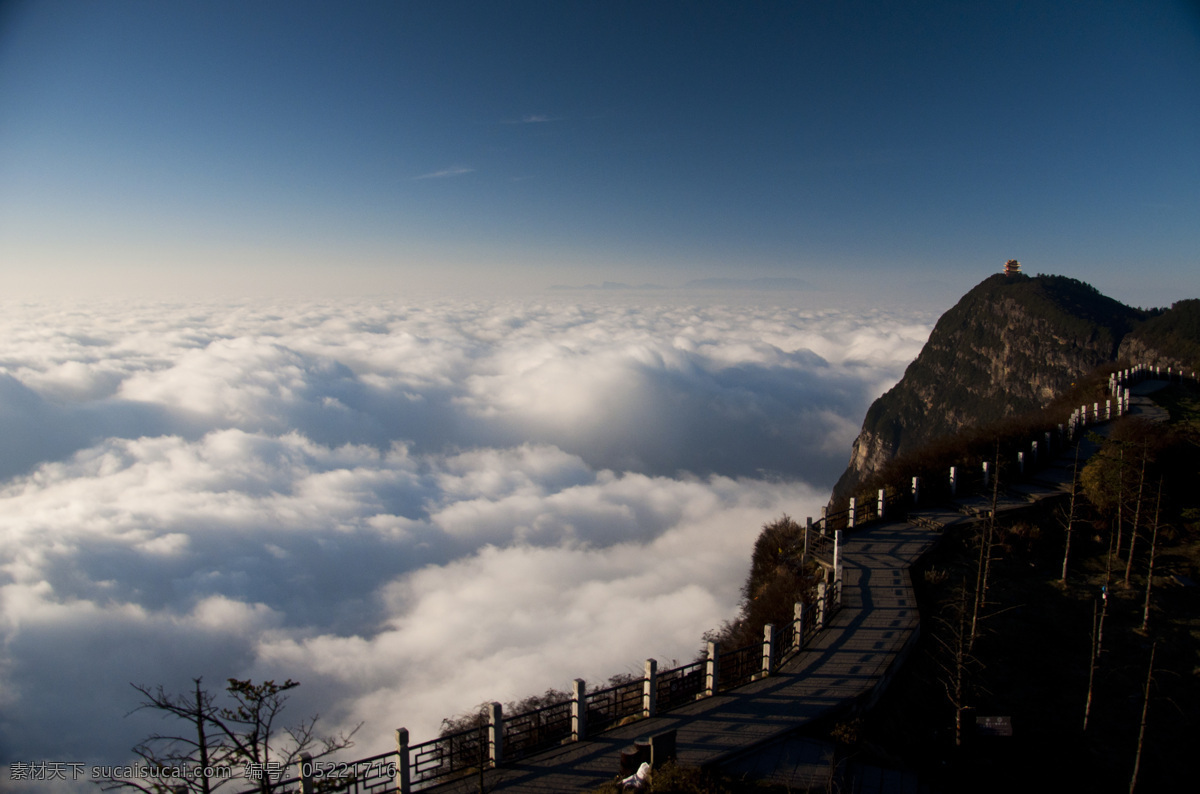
column 1021, row 463
column 953, row 481
column 578, row 710
column 768, row 646
column 985, row 474
column 916, row 491
column 1108, row 408
column 850, row 518
column 824, row 518
column 711, row 668
column 881, row 505
column 650, row 689
column 821, row 588
column 304, row 772
column 798, row 625
column 807, row 532
column 495, row 733
column 837, row 547
column 1033, row 447
column 403, row 774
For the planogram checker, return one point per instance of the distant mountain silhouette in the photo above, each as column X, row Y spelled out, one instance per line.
column 749, row 284
column 607, row 285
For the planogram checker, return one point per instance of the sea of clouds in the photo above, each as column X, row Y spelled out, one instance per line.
column 410, row 508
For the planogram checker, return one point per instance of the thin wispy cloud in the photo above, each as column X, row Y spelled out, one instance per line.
column 446, row 172
column 533, row 118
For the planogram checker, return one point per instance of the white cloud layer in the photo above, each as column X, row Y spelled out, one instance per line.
column 408, row 508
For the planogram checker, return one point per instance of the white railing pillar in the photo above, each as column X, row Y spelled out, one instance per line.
column 711, row 668
column 850, row 518
column 880, row 506
column 954, row 481
column 798, row 625
column 985, row 474
column 578, row 710
column 821, row 588
column 768, row 648
column 650, row 689
column 495, row 733
column 304, row 770
column 837, row 547
column 1021, row 463
column 403, row 778
column 916, row 491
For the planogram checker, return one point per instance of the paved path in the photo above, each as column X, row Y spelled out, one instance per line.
column 848, row 663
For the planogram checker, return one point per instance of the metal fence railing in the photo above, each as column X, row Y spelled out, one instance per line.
column 607, row 707
column 739, row 666
column 540, row 729
column 679, row 685
column 448, row 756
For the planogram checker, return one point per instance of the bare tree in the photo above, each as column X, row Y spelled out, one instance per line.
column 956, row 661
column 241, row 741
column 1070, row 522
column 1137, row 758
column 1153, row 549
column 182, row 759
column 1092, row 657
column 1120, row 501
column 986, row 542
column 1137, row 518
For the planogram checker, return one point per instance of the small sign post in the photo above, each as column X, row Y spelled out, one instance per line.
column 993, row 726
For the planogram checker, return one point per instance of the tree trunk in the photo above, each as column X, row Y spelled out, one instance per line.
column 1137, row 759
column 1071, row 514
column 985, row 556
column 1087, row 706
column 1137, row 519
column 1150, row 570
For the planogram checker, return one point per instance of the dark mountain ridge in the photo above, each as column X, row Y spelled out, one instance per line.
column 1006, row 349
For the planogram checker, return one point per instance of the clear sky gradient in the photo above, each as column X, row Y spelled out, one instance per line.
column 381, row 148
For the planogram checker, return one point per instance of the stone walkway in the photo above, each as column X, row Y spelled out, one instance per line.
column 860, row 648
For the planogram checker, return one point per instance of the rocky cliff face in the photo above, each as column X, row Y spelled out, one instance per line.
column 1008, row 347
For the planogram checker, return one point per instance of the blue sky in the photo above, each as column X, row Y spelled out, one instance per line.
column 381, row 148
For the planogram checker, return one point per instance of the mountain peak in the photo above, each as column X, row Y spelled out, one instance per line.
column 1008, row 347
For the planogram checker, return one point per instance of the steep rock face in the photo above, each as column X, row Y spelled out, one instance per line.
column 1006, row 348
